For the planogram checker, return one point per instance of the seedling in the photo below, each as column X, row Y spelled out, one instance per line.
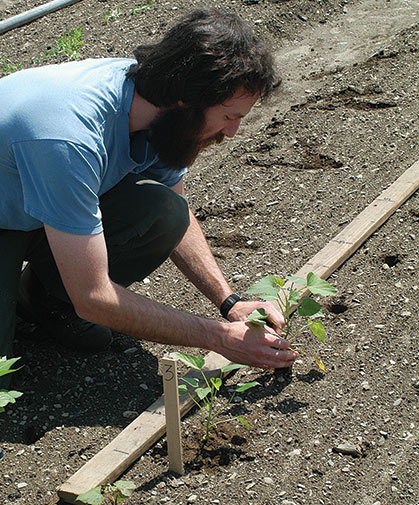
column 143, row 8
column 113, row 493
column 6, row 396
column 208, row 393
column 273, row 288
column 67, row 45
column 10, row 69
column 111, row 15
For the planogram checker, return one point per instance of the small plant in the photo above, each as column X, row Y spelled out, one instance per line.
column 143, row 8
column 113, row 493
column 273, row 288
column 6, row 396
column 67, row 45
column 7, row 68
column 111, row 15
column 208, row 393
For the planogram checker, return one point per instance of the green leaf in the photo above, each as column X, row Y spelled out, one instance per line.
column 217, row 382
column 202, row 392
column 294, row 297
column 317, row 329
column 296, row 280
column 267, row 288
column 309, row 307
column 233, row 366
column 92, row 497
column 182, row 389
column 195, row 362
column 5, row 365
column 320, row 363
column 126, row 487
column 7, row 397
column 192, row 381
column 319, row 286
column 258, row 316
column 244, row 422
column 246, row 385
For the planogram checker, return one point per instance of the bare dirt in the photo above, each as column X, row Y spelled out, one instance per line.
column 340, row 129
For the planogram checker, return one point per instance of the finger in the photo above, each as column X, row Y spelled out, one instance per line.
column 276, row 342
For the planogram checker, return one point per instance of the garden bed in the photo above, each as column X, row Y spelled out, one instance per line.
column 340, row 129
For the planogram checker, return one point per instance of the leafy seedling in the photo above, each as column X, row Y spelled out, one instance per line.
column 272, row 288
column 207, row 394
column 111, row 493
column 6, row 396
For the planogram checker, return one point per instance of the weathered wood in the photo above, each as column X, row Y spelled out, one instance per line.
column 132, row 442
column 168, row 367
column 141, row 434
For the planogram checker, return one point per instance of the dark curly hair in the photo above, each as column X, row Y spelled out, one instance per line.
column 202, row 60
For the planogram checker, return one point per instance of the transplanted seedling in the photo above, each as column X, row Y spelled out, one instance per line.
column 113, row 493
column 273, row 288
column 207, row 394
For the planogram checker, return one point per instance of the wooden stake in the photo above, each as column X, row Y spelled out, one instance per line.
column 141, row 434
column 168, row 369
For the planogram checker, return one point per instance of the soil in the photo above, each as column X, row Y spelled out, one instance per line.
column 339, row 130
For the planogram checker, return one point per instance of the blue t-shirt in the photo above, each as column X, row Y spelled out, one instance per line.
column 64, row 141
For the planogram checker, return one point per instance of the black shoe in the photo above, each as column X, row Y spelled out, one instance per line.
column 57, row 318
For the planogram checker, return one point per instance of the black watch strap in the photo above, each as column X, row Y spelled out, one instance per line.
column 228, row 304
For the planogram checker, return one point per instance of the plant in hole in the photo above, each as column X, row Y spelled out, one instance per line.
column 273, row 288
column 6, row 396
column 208, row 393
column 113, row 493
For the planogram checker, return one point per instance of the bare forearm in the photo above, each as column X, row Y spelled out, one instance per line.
column 195, row 260
column 137, row 316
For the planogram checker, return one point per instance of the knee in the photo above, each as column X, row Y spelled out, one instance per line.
column 173, row 218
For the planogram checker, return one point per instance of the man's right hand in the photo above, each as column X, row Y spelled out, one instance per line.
column 250, row 344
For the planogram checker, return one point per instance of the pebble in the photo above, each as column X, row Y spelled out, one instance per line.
column 268, row 480
column 20, row 485
column 365, row 386
column 397, row 402
column 131, row 350
column 238, row 277
column 192, row 498
column 348, row 448
column 130, row 414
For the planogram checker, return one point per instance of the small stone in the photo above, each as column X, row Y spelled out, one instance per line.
column 88, row 380
column 365, row 386
column 131, row 350
column 130, row 414
column 397, row 402
column 349, row 449
column 345, row 469
column 192, row 498
column 144, row 386
column 406, row 313
column 238, row 277
column 268, row 480
column 20, row 485
column 295, row 452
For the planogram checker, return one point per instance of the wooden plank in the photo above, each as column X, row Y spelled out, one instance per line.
column 168, row 367
column 144, row 431
column 132, row 442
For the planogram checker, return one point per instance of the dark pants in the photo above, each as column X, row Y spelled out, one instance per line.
column 143, row 222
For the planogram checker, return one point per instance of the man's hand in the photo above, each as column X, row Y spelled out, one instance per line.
column 242, row 309
column 250, row 344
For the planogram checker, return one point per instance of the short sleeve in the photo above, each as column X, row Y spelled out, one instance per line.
column 160, row 173
column 60, row 182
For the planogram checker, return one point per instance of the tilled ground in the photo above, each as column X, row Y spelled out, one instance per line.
column 342, row 128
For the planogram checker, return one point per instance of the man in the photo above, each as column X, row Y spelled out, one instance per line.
column 92, row 155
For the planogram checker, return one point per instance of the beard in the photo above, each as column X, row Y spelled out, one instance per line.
column 175, row 136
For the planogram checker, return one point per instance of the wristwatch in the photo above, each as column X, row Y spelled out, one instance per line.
column 229, row 303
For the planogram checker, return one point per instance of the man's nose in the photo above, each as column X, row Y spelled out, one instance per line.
column 231, row 128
